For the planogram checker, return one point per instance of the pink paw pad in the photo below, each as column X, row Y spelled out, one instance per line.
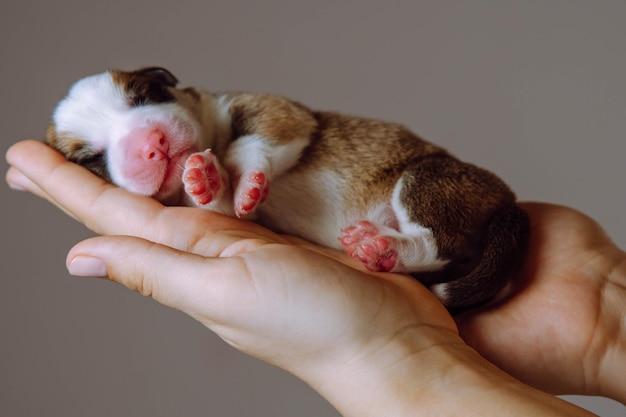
column 363, row 242
column 201, row 178
column 252, row 191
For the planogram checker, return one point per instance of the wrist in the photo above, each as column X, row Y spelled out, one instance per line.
column 401, row 376
column 609, row 367
column 430, row 372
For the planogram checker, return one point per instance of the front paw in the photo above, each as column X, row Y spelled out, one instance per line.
column 202, row 179
column 252, row 190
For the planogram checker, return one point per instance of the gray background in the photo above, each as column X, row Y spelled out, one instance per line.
column 533, row 90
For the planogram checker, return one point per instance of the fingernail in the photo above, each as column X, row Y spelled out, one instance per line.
column 13, row 181
column 16, row 187
column 87, row 266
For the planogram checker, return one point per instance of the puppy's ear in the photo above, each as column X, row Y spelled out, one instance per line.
column 158, row 74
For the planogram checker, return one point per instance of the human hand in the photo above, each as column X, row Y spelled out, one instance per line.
column 565, row 330
column 309, row 310
column 372, row 344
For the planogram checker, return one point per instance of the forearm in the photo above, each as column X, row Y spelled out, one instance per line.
column 446, row 379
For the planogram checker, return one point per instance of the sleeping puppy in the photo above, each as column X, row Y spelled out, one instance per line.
column 372, row 188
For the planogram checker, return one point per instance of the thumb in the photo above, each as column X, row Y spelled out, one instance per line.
column 181, row 280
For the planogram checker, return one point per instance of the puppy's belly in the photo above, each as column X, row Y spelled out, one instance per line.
column 314, row 208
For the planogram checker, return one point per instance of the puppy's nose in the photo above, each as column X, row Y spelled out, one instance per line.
column 155, row 147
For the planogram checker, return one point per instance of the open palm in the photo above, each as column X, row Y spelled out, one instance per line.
column 555, row 331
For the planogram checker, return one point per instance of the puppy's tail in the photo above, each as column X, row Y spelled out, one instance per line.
column 506, row 239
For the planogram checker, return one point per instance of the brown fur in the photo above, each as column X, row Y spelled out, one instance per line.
column 276, row 118
column 78, row 151
column 370, row 154
column 146, row 86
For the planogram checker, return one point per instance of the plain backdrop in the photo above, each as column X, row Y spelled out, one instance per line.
column 532, row 90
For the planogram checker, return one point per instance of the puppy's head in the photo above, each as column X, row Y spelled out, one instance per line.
column 134, row 129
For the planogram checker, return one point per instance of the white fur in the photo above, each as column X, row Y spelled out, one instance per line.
column 96, row 110
column 321, row 214
column 93, row 105
column 222, row 139
column 308, row 204
column 417, row 248
column 255, row 153
column 440, row 291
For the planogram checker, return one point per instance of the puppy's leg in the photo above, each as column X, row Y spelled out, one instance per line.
column 385, row 249
column 206, row 182
column 408, row 246
column 253, row 162
column 269, row 135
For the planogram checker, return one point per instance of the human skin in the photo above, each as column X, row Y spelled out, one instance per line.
column 372, row 344
column 564, row 330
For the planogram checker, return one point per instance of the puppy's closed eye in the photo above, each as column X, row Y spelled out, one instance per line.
column 146, row 86
column 80, row 152
column 94, row 161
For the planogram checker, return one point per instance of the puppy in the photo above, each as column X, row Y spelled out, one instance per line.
column 374, row 189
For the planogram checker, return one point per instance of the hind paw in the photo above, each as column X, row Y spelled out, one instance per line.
column 363, row 242
column 202, row 179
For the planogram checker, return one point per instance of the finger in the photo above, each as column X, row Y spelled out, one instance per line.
column 103, row 207
column 109, row 210
column 191, row 283
column 16, row 180
column 20, row 182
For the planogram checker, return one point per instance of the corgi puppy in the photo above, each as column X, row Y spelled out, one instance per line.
column 372, row 188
